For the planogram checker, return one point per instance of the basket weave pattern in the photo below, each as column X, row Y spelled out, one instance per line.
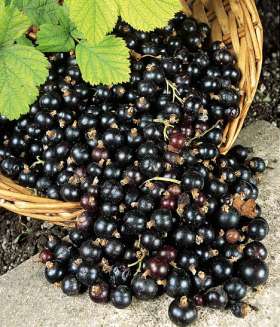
column 237, row 24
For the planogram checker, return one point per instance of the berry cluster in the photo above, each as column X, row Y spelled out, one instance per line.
column 181, row 86
column 198, row 240
column 164, row 212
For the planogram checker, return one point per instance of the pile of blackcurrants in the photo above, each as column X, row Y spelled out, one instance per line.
column 164, row 211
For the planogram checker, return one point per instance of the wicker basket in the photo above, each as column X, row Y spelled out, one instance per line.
column 237, row 24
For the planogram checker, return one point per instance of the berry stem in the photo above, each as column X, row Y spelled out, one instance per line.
column 138, row 261
column 174, row 91
column 37, row 162
column 138, row 56
column 166, row 124
column 164, row 179
column 139, row 268
column 188, row 143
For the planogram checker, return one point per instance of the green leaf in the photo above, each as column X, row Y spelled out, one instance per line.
column 55, row 25
column 40, row 11
column 77, row 34
column 62, row 14
column 105, row 62
column 146, row 15
column 54, row 38
column 22, row 70
column 23, row 40
column 94, row 18
column 13, row 24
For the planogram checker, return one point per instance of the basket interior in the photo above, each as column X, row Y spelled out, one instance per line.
column 237, row 24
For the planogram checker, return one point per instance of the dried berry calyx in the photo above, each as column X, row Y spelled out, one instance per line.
column 245, row 208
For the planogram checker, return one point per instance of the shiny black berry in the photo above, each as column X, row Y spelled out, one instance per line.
column 90, row 252
column 253, row 272
column 121, row 297
column 70, row 192
column 54, row 272
column 216, row 298
column 71, row 286
column 258, row 229
column 112, row 191
column 178, row 284
column 181, row 312
column 235, row 289
column 256, row 250
column 87, row 274
column 144, row 288
column 163, row 220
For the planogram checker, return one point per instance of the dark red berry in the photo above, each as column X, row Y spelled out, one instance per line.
column 45, row 255
column 99, row 292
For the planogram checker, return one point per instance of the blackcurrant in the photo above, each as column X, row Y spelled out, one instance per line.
column 144, row 288
column 121, row 297
column 178, row 284
column 99, row 292
column 256, row 250
column 253, row 271
column 71, row 286
column 235, row 289
column 54, row 272
column 181, row 312
column 87, row 274
column 258, row 229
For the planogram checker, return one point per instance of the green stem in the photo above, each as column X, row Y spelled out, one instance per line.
column 134, row 263
column 166, row 124
column 138, row 261
column 139, row 268
column 37, row 162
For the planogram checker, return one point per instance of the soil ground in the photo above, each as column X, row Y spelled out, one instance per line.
column 21, row 238
column 267, row 100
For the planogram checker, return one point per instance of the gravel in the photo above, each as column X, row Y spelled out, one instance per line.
column 266, row 104
column 21, row 238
